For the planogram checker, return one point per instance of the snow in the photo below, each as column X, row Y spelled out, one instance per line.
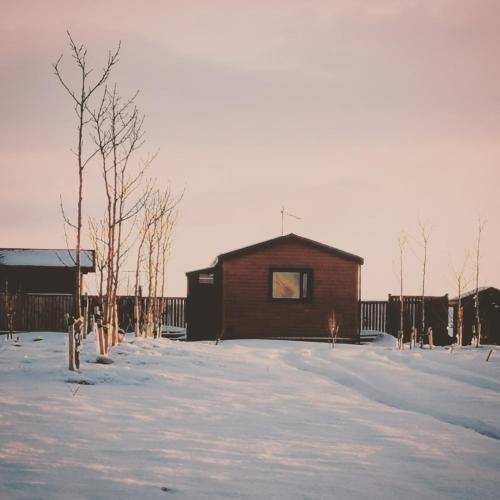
column 385, row 340
column 249, row 420
column 44, row 258
column 173, row 332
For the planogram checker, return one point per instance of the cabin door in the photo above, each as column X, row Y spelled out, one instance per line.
column 203, row 309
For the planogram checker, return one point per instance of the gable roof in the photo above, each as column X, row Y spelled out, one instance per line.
column 288, row 238
column 55, row 258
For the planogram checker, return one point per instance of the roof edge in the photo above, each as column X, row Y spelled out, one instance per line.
column 204, row 269
column 48, row 249
column 288, row 237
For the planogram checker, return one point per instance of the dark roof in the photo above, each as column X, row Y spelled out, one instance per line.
column 48, row 258
column 207, row 270
column 288, row 237
column 471, row 293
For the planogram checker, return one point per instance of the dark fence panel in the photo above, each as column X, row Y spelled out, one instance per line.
column 173, row 310
column 373, row 315
column 436, row 316
column 35, row 312
column 45, row 312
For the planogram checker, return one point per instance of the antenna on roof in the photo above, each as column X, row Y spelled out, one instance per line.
column 283, row 213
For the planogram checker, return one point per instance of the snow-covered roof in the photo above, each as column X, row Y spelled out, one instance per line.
column 28, row 257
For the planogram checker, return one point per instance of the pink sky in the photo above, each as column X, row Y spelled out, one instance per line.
column 360, row 117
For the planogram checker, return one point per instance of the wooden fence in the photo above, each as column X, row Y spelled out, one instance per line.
column 436, row 316
column 174, row 311
column 373, row 315
column 35, row 312
column 45, row 312
column 384, row 316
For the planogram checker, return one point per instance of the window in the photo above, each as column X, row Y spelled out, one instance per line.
column 206, row 278
column 291, row 284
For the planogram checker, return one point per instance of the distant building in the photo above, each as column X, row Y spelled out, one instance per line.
column 489, row 314
column 27, row 270
column 287, row 287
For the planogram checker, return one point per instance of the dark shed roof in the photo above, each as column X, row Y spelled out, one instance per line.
column 481, row 290
column 280, row 239
column 204, row 270
column 47, row 258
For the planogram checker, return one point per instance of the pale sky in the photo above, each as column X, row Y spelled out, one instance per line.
column 361, row 117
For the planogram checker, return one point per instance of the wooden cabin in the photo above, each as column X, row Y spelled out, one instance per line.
column 27, row 270
column 288, row 287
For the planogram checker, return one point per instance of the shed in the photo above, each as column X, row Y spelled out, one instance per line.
column 489, row 314
column 288, row 287
column 28, row 270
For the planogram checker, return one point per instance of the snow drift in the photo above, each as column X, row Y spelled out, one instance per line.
column 248, row 419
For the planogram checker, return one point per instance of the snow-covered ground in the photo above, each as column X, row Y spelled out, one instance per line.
column 248, row 419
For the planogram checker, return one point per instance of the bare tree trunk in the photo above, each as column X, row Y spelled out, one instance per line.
column 477, row 322
column 425, row 233
column 460, row 316
column 156, row 310
column 137, row 311
column 71, row 344
column 462, row 282
column 334, row 329
column 402, row 241
column 413, row 341
column 101, row 344
column 85, row 316
column 149, row 300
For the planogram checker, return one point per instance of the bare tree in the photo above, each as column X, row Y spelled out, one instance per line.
column 155, row 205
column 155, row 232
column 168, row 232
column 164, row 240
column 153, row 262
column 118, row 134
column 477, row 320
column 334, row 326
column 402, row 242
column 461, row 281
column 425, row 235
column 81, row 95
column 98, row 232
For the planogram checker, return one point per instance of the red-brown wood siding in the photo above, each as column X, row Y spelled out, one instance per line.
column 249, row 312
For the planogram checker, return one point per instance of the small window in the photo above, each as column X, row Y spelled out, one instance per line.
column 206, row 278
column 290, row 284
